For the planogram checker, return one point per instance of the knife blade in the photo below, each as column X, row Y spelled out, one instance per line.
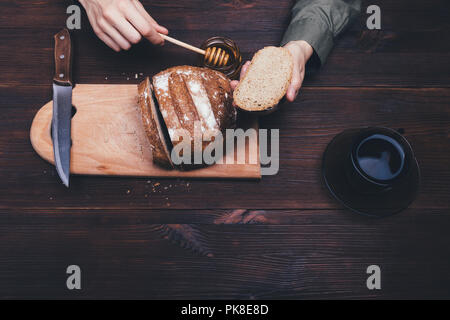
column 62, row 105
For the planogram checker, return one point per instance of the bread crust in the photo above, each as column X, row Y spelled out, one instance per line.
column 214, row 82
column 152, row 126
column 177, row 101
column 272, row 107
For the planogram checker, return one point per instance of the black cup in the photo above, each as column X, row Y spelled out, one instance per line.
column 372, row 171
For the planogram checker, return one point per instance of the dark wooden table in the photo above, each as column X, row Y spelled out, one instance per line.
column 281, row 237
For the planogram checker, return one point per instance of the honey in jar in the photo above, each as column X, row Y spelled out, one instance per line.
column 234, row 64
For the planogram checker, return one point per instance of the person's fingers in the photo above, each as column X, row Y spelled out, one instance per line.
column 244, row 69
column 115, row 35
column 234, row 84
column 109, row 41
column 292, row 93
column 162, row 30
column 143, row 25
column 104, row 37
column 149, row 18
column 116, row 19
column 153, row 36
column 128, row 31
column 295, row 84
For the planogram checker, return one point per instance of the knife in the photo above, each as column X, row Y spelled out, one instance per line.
column 62, row 104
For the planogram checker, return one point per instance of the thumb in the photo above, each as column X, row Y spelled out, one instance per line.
column 294, row 87
column 234, row 84
column 154, row 37
column 291, row 93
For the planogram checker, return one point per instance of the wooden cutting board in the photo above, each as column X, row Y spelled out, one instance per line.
column 108, row 138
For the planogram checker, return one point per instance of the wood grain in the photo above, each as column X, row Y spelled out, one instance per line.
column 322, row 258
column 108, row 138
column 306, row 127
column 409, row 51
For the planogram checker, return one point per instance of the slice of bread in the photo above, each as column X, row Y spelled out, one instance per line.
column 154, row 126
column 266, row 81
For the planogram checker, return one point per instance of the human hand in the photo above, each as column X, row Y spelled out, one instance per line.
column 120, row 23
column 301, row 51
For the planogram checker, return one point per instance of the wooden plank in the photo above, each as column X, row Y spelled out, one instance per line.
column 127, row 216
column 306, row 127
column 137, row 260
column 411, row 49
column 108, row 138
column 108, row 226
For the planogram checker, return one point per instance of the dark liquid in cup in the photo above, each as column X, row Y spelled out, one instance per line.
column 380, row 157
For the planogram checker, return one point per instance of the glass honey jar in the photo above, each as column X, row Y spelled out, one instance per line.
column 233, row 67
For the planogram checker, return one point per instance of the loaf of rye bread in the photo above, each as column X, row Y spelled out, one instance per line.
column 266, row 81
column 186, row 96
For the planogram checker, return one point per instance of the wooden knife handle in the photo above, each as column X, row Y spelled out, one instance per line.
column 63, row 58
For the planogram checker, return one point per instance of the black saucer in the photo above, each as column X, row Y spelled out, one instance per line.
column 389, row 201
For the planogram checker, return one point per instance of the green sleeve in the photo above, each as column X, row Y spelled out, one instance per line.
column 319, row 22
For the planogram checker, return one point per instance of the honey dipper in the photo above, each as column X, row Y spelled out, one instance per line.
column 214, row 56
